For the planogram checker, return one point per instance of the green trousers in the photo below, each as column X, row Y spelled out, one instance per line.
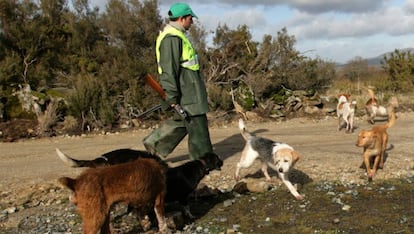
column 165, row 138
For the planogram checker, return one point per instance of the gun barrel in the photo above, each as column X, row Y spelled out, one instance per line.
column 149, row 111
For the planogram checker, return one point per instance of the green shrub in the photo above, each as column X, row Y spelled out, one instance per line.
column 13, row 109
column 245, row 96
column 90, row 103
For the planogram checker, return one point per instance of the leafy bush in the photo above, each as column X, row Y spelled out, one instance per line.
column 245, row 96
column 13, row 109
column 90, row 103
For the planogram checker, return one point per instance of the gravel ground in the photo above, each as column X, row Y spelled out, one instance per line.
column 32, row 201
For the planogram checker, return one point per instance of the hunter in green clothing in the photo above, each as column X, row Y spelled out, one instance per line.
column 183, row 84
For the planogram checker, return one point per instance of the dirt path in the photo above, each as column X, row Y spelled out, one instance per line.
column 328, row 154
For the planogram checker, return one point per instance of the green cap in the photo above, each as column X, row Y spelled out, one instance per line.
column 180, row 9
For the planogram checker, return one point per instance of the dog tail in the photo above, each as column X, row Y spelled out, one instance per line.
column 371, row 94
column 67, row 182
column 372, row 100
column 246, row 135
column 391, row 120
column 70, row 161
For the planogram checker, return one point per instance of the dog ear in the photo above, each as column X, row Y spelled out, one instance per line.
column 68, row 182
column 295, row 156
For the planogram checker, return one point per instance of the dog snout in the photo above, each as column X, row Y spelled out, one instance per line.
column 281, row 170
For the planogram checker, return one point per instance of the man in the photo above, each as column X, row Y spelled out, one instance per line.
column 184, row 86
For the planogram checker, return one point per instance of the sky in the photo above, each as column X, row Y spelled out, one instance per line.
column 333, row 30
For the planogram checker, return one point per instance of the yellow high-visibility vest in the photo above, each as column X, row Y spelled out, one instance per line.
column 188, row 58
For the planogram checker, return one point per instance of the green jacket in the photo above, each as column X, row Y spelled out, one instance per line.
column 181, row 85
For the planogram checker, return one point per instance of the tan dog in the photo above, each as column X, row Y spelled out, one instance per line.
column 139, row 183
column 279, row 156
column 374, row 109
column 374, row 142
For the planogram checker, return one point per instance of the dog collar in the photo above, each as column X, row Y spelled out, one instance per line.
column 206, row 169
column 105, row 158
column 202, row 162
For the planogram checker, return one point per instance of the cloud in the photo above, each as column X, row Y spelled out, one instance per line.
column 323, row 6
column 391, row 21
column 409, row 6
column 308, row 19
column 101, row 4
column 309, row 6
column 253, row 18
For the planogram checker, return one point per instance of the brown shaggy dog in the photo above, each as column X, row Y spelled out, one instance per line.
column 374, row 142
column 181, row 180
column 139, row 183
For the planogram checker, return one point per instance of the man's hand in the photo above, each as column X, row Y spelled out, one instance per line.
column 180, row 111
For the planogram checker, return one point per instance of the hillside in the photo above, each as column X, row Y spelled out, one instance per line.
column 376, row 61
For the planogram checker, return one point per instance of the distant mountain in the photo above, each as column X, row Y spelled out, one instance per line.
column 377, row 60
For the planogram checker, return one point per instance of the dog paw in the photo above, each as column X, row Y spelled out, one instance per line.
column 371, row 176
column 163, row 228
column 236, row 177
column 165, row 231
column 299, row 197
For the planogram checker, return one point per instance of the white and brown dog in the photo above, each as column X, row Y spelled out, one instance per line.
column 280, row 157
column 375, row 110
column 345, row 111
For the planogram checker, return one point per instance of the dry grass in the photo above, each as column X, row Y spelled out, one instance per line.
column 48, row 118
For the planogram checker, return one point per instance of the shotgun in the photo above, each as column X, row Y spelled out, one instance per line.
column 157, row 87
column 154, row 85
column 149, row 111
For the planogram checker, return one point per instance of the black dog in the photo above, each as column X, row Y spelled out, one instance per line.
column 181, row 180
column 111, row 158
